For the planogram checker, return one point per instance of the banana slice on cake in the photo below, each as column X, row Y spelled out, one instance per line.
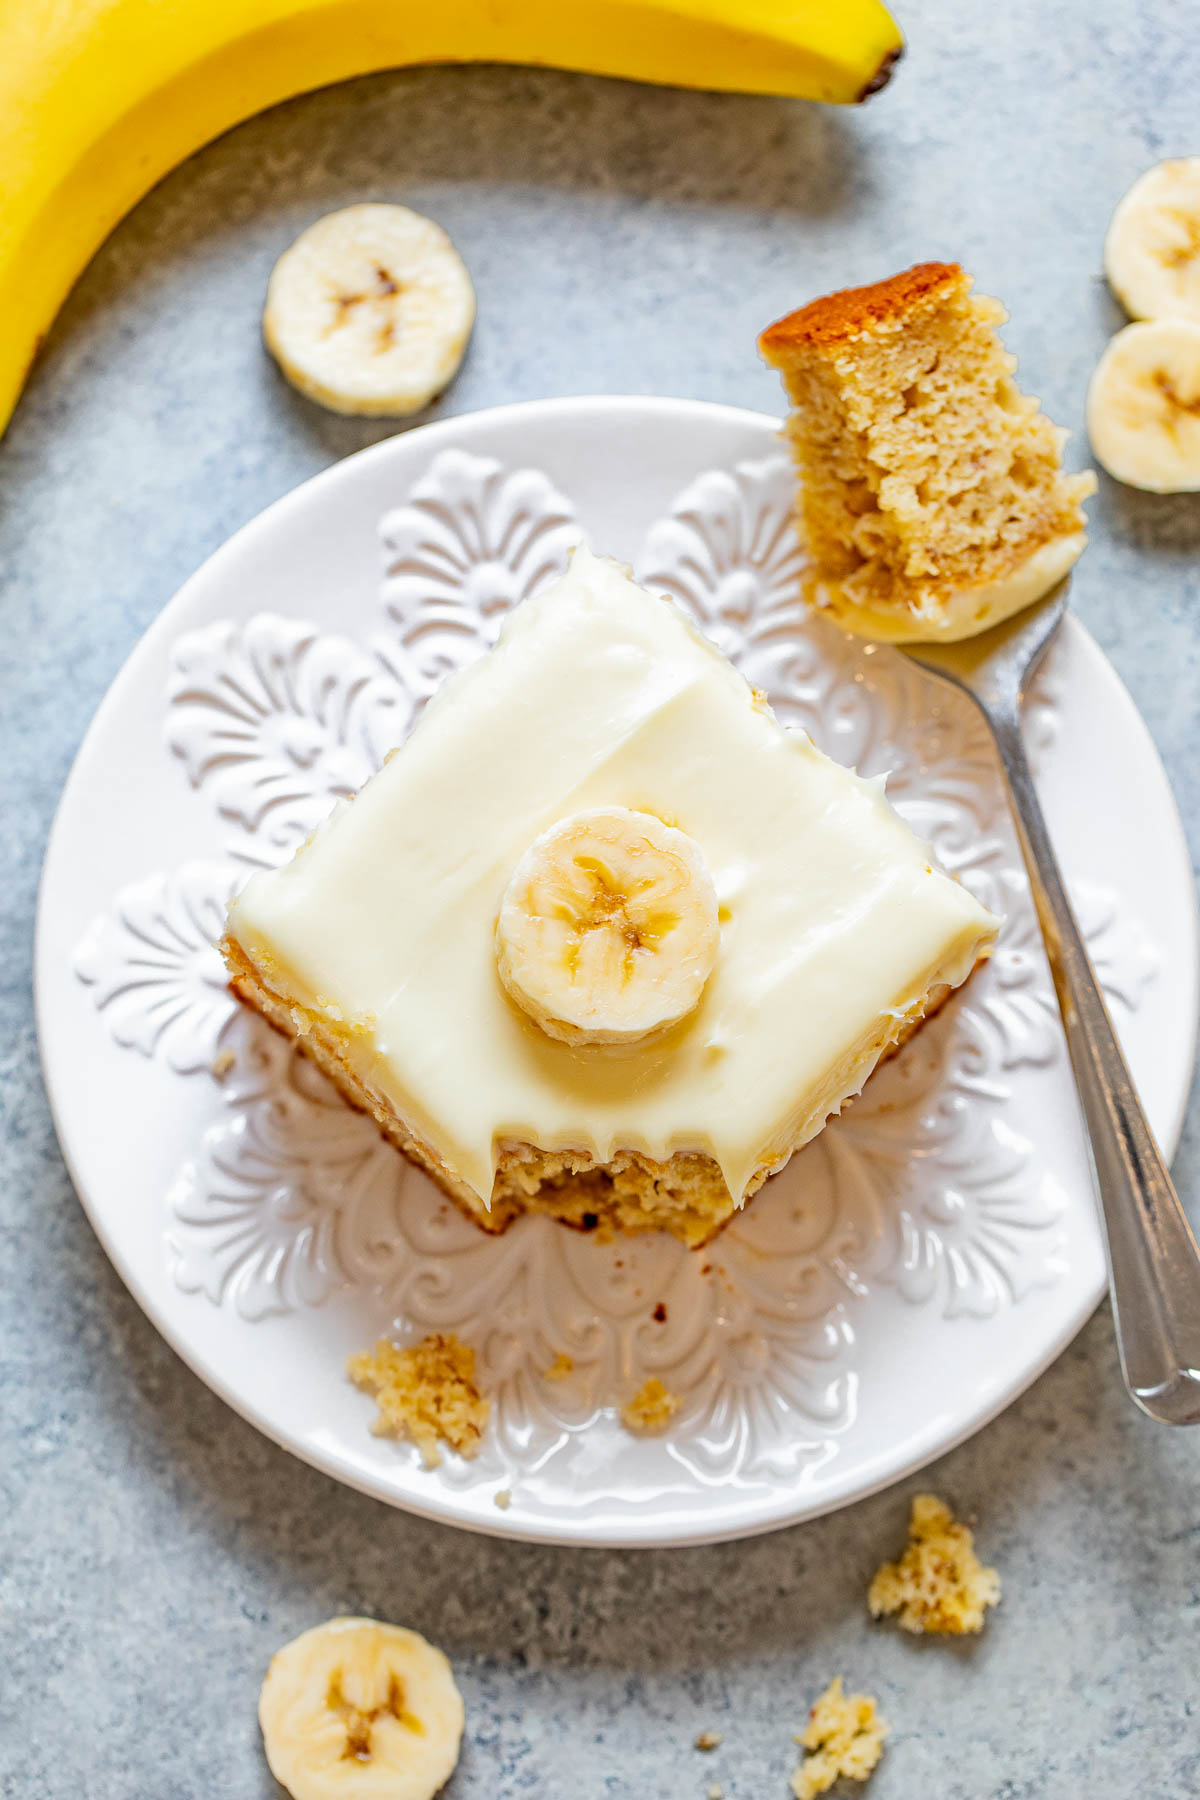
column 1152, row 251
column 370, row 311
column 1143, row 406
column 608, row 929
column 356, row 1710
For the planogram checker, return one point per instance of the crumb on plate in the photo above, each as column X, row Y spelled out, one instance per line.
column 844, row 1737
column 426, row 1392
column 502, row 1498
column 715, row 1792
column 560, row 1368
column 222, row 1064
column 651, row 1408
column 939, row 1584
column 708, row 1740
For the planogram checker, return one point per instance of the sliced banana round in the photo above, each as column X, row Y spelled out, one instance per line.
column 608, row 929
column 370, row 310
column 1143, row 406
column 1152, row 251
column 356, row 1710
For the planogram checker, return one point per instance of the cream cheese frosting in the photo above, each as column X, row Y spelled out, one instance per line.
column 834, row 921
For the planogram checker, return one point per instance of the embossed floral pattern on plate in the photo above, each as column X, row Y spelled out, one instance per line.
column 931, row 1190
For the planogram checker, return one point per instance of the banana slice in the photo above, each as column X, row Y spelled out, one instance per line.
column 370, row 310
column 1143, row 406
column 1152, row 251
column 355, row 1710
column 608, row 928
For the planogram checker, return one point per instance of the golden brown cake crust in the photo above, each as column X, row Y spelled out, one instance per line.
column 853, row 312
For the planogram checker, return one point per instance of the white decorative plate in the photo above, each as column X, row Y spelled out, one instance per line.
column 904, row 1278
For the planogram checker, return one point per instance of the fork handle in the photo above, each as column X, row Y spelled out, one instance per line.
column 1153, row 1261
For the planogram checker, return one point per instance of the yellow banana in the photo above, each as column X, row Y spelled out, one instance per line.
column 100, row 98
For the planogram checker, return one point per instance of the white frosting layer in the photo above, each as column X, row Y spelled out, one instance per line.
column 960, row 615
column 834, row 922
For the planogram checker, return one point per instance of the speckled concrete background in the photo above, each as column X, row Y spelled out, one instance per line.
column 154, row 1550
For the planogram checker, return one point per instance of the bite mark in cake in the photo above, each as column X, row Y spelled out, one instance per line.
column 651, row 1409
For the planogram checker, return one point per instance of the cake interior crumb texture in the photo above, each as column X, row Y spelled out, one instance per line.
column 924, row 471
column 651, row 1409
column 843, row 1740
column 426, row 1392
column 939, row 1584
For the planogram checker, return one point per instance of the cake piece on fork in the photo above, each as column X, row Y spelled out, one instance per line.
column 933, row 503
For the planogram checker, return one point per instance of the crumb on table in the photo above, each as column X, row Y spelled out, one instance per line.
column 426, row 1392
column 716, row 1792
column 939, row 1584
column 651, row 1408
column 708, row 1740
column 844, row 1737
column 560, row 1368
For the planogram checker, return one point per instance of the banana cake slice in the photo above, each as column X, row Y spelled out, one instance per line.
column 603, row 939
column 933, row 503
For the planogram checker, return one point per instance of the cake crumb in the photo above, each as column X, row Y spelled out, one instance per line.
column 844, row 1737
column 426, row 1392
column 560, row 1368
column 221, row 1064
column 715, row 1792
column 708, row 1740
column 939, row 1584
column 503, row 1499
column 651, row 1408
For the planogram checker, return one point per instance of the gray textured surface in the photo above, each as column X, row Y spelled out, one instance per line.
column 153, row 1549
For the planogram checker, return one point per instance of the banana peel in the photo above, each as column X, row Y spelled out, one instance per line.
column 101, row 98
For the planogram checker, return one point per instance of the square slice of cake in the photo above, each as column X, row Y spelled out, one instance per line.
column 603, row 939
column 932, row 498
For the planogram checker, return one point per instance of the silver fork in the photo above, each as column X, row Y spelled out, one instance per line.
column 1153, row 1261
